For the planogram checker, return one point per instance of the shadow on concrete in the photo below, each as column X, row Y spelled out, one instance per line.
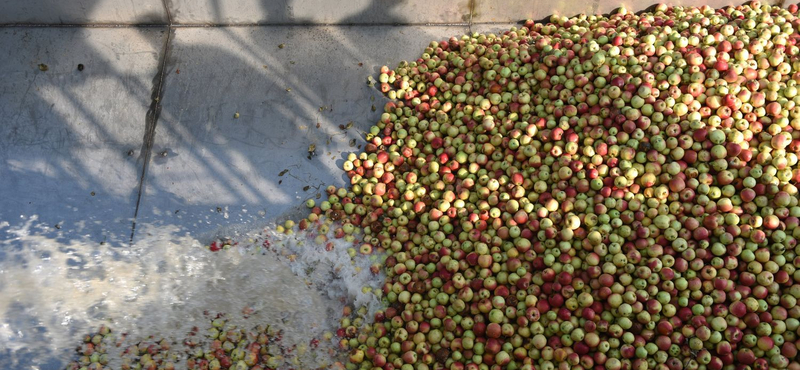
column 70, row 141
column 292, row 87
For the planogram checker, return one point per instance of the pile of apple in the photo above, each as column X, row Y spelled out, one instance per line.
column 595, row 192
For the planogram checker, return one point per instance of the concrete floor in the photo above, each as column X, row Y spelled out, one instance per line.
column 66, row 134
column 74, row 143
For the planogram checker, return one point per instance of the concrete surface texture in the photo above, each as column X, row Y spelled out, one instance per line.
column 67, row 133
column 291, row 88
column 319, row 11
column 75, row 142
column 82, row 12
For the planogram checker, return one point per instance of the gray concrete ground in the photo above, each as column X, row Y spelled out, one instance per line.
column 240, row 12
column 83, row 12
column 66, row 134
column 210, row 168
column 74, row 143
column 320, row 11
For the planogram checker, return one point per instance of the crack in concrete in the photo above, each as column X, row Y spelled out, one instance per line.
column 151, row 121
column 151, row 118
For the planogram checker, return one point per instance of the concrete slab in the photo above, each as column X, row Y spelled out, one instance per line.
column 211, row 169
column 83, row 12
column 319, row 11
column 521, row 10
column 66, row 133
